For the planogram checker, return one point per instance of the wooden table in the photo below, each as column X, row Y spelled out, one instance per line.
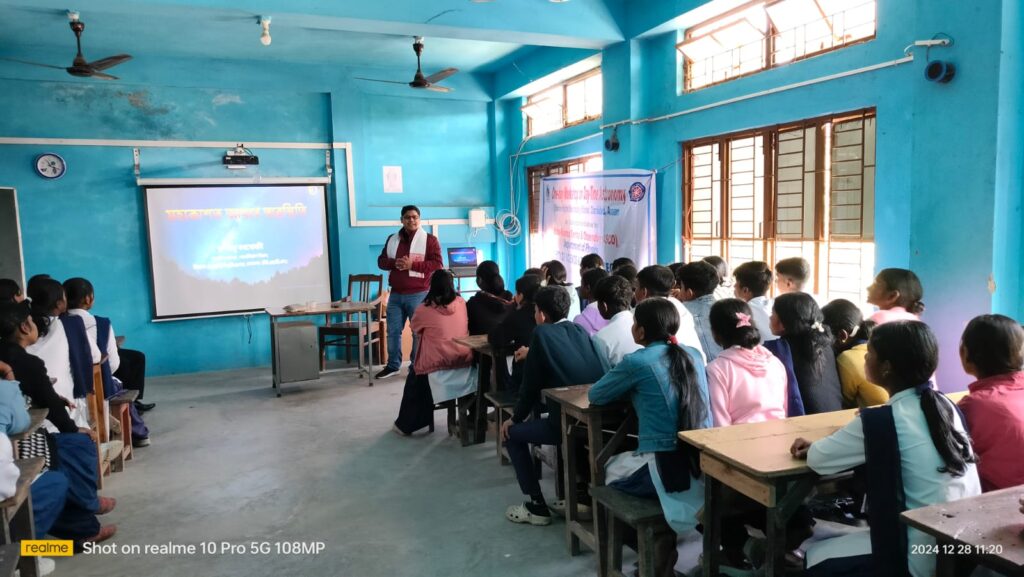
column 485, row 383
column 362, row 311
column 754, row 460
column 576, row 407
column 986, row 530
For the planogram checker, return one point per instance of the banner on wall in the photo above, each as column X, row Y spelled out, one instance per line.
column 610, row 213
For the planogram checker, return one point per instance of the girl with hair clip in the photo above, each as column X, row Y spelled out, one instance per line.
column 441, row 370
column 746, row 381
column 806, row 342
column 992, row 351
column 555, row 274
column 897, row 293
column 916, row 452
column 668, row 389
column 850, row 334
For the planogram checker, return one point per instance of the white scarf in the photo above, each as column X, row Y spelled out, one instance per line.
column 417, row 249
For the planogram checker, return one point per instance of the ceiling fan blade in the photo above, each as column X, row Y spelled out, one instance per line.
column 109, row 61
column 102, row 75
column 436, row 88
column 32, row 63
column 379, row 80
column 439, row 76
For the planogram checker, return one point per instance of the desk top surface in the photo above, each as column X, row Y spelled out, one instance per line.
column 575, row 398
column 987, row 523
column 324, row 309
column 36, row 418
column 476, row 342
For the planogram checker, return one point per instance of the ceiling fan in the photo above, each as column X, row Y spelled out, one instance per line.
column 419, row 81
column 81, row 67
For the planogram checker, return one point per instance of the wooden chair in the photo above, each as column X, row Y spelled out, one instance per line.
column 615, row 510
column 18, row 522
column 99, row 424
column 347, row 333
column 504, row 403
column 119, row 409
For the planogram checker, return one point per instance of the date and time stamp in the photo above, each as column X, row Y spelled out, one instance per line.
column 955, row 549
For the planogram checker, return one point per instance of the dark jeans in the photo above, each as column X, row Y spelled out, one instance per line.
column 400, row 309
column 639, row 484
column 545, row 431
column 132, row 370
column 78, row 520
column 49, row 492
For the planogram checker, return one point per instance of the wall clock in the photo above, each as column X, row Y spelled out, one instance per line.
column 50, row 165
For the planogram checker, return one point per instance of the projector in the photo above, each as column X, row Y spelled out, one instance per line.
column 240, row 157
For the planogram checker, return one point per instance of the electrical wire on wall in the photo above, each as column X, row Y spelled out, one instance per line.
column 507, row 221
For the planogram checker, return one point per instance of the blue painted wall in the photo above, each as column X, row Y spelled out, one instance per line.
column 91, row 223
column 936, row 144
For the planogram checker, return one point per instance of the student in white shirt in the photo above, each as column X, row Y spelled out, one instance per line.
column 935, row 458
column 555, row 274
column 613, row 295
column 753, row 279
column 657, row 281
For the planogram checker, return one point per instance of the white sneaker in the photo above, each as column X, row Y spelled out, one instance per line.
column 520, row 514
column 46, row 566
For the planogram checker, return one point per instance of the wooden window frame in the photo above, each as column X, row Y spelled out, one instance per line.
column 565, row 99
column 769, row 47
column 531, row 195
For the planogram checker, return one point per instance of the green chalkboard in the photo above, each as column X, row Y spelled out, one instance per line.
column 11, row 263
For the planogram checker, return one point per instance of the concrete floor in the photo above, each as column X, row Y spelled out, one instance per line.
column 231, row 463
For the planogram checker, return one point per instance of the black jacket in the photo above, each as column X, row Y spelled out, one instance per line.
column 561, row 354
column 30, row 372
column 486, row 311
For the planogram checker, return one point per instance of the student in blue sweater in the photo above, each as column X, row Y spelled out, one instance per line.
column 560, row 354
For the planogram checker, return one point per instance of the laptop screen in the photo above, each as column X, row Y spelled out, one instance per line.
column 462, row 257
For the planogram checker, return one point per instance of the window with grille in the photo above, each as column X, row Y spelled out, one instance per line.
column 764, row 34
column 534, row 174
column 578, row 100
column 805, row 189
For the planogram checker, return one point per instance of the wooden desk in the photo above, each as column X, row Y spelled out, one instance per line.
column 754, row 460
column 18, row 522
column 485, row 383
column 986, row 530
column 576, row 407
column 36, row 418
column 362, row 311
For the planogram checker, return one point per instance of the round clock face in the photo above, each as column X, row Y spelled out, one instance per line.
column 50, row 165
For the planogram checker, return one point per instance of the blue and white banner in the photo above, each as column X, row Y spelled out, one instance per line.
column 610, row 213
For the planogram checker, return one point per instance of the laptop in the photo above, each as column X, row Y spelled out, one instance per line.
column 462, row 261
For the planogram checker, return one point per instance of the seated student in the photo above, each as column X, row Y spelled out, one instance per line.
column 753, row 279
column 665, row 382
column 590, row 319
column 490, row 304
column 560, row 354
column 697, row 282
column 797, row 319
column 588, row 262
column 916, row 439
column 74, row 446
column 440, row 371
column 534, row 271
column 515, row 330
column 747, row 383
column 656, row 281
column 850, row 334
column 992, row 351
column 615, row 340
column 10, row 291
column 621, row 262
column 68, row 358
column 791, row 275
column 724, row 288
column 897, row 293
column 555, row 275
column 80, row 298
column 676, row 293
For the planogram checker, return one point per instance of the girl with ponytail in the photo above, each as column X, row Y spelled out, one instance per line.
column 797, row 319
column 850, row 334
column 667, row 385
column 897, row 293
column 916, row 450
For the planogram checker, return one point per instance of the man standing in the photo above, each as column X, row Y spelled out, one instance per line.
column 410, row 256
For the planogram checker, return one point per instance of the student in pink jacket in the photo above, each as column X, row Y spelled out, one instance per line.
column 439, row 320
column 746, row 382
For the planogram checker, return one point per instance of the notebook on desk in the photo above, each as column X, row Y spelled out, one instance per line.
column 462, row 261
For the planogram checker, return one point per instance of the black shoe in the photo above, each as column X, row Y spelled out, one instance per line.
column 386, row 373
column 143, row 407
